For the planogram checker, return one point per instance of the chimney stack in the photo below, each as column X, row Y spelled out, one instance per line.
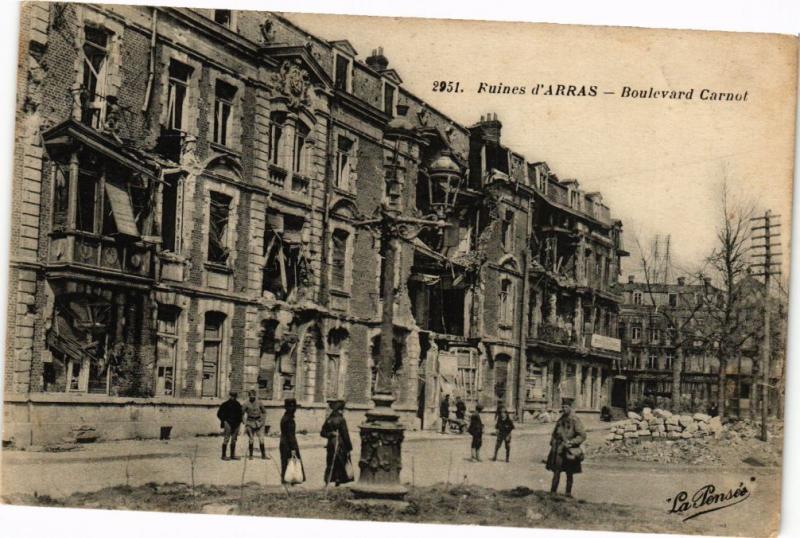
column 488, row 128
column 681, row 280
column 377, row 60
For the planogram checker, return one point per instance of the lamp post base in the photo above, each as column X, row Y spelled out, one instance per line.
column 381, row 454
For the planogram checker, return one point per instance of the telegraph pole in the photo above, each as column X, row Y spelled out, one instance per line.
column 766, row 251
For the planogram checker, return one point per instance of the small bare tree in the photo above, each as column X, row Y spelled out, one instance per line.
column 728, row 264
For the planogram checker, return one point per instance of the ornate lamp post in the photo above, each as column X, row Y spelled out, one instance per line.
column 382, row 434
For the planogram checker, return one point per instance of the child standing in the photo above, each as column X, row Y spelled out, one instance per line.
column 476, row 431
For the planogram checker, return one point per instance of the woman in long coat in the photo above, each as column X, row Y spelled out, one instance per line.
column 568, row 433
column 339, row 446
column 288, row 443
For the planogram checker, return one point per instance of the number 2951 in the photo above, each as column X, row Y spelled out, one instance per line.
column 447, row 86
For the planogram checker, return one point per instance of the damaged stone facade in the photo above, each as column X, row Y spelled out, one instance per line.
column 190, row 189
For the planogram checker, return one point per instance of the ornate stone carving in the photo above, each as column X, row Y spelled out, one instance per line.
column 293, row 82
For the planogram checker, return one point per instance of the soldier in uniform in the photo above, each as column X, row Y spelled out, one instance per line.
column 254, row 423
column 565, row 453
column 230, row 419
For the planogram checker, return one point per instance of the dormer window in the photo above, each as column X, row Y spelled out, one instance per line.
column 389, row 98
column 223, row 17
column 343, row 73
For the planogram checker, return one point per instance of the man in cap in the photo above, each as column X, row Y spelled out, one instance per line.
column 230, row 418
column 254, row 423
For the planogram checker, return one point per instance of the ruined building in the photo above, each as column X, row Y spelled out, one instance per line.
column 191, row 188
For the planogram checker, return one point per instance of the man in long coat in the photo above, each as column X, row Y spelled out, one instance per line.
column 339, row 446
column 230, row 419
column 565, row 454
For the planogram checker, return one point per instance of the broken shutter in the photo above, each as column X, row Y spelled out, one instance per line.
column 122, row 209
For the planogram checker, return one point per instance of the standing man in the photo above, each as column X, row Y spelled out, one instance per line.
column 230, row 418
column 461, row 413
column 565, row 447
column 476, row 431
column 444, row 411
column 254, row 424
column 504, row 426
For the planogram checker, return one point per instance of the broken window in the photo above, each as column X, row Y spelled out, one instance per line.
column 338, row 259
column 219, row 213
column 170, row 212
column 388, row 99
column 300, row 149
column 223, row 105
column 636, row 333
column 336, row 342
column 177, row 95
column 285, row 266
column 341, row 80
column 506, row 302
column 467, row 374
column 212, row 352
column 223, row 17
column 507, row 230
column 87, row 201
column 344, row 147
column 95, row 65
column 166, row 350
column 266, row 370
column 276, row 123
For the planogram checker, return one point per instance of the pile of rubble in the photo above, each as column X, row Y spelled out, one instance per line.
column 658, row 423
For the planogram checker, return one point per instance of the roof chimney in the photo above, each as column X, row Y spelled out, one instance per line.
column 488, row 128
column 681, row 280
column 377, row 60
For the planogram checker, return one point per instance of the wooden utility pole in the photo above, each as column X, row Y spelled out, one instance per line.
column 766, row 251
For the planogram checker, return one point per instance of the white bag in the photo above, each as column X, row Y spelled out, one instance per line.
column 294, row 471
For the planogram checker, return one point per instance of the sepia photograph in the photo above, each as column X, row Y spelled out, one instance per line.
column 394, row 269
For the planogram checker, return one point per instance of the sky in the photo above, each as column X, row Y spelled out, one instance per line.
column 659, row 164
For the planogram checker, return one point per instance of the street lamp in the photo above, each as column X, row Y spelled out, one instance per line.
column 382, row 434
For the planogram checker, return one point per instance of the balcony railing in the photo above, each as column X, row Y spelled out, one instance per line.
column 555, row 334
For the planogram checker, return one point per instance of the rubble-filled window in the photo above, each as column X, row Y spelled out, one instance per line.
column 300, row 149
column 652, row 361
column 223, row 106
column 166, row 350
column 95, row 65
column 637, row 297
column 218, row 236
column 506, row 302
column 212, row 352
column 177, row 101
column 338, row 259
column 342, row 78
column 276, row 123
column 389, row 98
column 285, row 267
column 344, row 147
column 170, row 217
column 507, row 230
